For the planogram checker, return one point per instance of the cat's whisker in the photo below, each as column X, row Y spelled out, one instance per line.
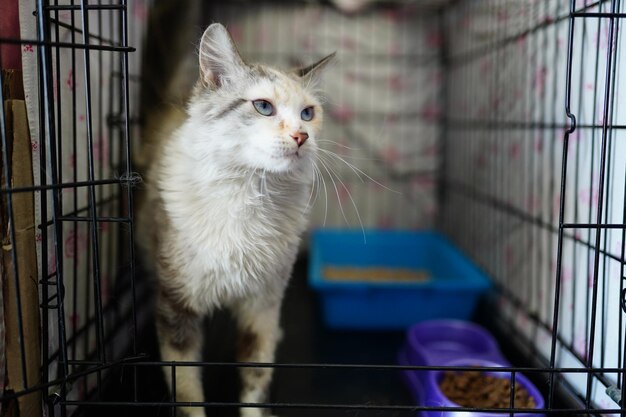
column 338, row 144
column 308, row 84
column 336, row 189
column 314, row 188
column 323, row 181
column 334, row 155
column 318, row 178
column 331, row 170
column 383, row 126
column 358, row 171
column 363, row 158
column 325, row 99
column 306, row 207
column 360, row 158
column 358, row 215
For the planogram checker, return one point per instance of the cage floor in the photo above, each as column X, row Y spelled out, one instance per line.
column 305, row 340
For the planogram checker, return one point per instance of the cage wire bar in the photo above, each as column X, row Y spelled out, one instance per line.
column 522, row 128
column 79, row 349
column 107, row 320
column 83, row 355
column 608, row 100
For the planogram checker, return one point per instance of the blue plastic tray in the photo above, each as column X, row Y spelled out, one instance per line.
column 452, row 291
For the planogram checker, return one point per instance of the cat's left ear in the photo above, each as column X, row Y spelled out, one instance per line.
column 219, row 59
column 313, row 70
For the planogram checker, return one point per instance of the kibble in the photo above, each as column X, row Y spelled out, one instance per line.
column 479, row 390
column 375, row 274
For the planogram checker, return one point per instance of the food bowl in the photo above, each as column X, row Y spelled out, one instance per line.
column 434, row 397
column 439, row 341
column 453, row 343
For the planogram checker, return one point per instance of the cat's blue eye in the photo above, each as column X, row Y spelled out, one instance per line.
column 307, row 114
column 264, row 107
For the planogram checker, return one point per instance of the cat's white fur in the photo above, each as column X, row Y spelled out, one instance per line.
column 239, row 206
column 227, row 200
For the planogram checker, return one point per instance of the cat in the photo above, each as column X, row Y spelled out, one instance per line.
column 227, row 197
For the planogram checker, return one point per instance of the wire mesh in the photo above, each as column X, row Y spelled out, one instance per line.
column 81, row 119
column 543, row 193
column 531, row 184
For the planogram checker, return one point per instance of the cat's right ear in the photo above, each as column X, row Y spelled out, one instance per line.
column 313, row 69
column 220, row 61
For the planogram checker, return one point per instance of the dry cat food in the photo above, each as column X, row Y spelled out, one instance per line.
column 336, row 273
column 479, row 390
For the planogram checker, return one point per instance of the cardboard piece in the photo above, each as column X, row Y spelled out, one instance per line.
column 12, row 85
column 24, row 245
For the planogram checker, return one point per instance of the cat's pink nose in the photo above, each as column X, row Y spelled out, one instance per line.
column 300, row 137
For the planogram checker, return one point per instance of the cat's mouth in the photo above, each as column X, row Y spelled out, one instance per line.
column 287, row 159
column 291, row 155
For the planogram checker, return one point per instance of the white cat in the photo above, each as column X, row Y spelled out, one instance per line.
column 227, row 201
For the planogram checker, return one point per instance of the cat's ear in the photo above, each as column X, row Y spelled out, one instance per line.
column 313, row 70
column 220, row 61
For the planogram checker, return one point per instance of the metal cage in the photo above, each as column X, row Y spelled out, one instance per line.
column 531, row 184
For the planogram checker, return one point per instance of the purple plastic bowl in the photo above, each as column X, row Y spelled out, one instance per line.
column 449, row 343
column 412, row 379
column 439, row 341
column 434, row 397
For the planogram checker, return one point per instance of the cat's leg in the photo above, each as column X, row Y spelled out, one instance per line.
column 180, row 339
column 259, row 333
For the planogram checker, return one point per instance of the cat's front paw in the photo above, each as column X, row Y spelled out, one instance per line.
column 190, row 412
column 255, row 412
